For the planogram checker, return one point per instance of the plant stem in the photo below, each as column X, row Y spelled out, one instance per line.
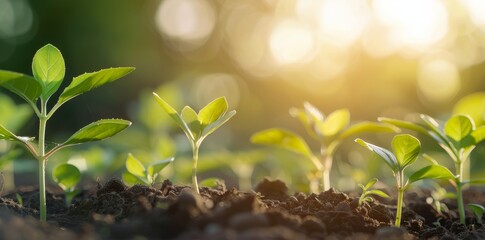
column 327, row 159
column 400, row 197
column 195, row 151
column 326, row 179
column 459, row 193
column 42, row 160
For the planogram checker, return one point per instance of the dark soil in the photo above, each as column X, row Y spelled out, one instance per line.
column 115, row 211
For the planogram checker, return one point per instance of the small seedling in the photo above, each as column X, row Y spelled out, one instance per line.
column 137, row 173
column 48, row 69
column 438, row 194
column 458, row 137
column 477, row 210
column 406, row 149
column 329, row 132
column 197, row 126
column 67, row 176
column 367, row 192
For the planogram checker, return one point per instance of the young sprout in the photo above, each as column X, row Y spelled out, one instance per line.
column 367, row 192
column 67, row 176
column 197, row 126
column 328, row 131
column 406, row 149
column 477, row 210
column 137, row 173
column 458, row 137
column 438, row 194
column 48, row 69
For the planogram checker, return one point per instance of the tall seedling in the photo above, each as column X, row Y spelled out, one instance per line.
column 48, row 69
column 329, row 132
column 197, row 126
column 458, row 137
column 406, row 149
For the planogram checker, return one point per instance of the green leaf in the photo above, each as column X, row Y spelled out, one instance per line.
column 405, row 124
column 48, row 68
column 135, row 167
column 474, row 181
column 435, row 130
column 218, row 123
column 283, row 139
column 477, row 210
column 98, row 130
column 431, row 172
column 406, row 149
column 308, row 117
column 479, row 134
column 24, row 86
column 383, row 153
column 89, row 81
column 312, row 112
column 67, row 176
column 159, row 166
column 212, row 111
column 189, row 116
column 6, row 134
column 335, row 122
column 430, row 159
column 379, row 193
column 371, row 183
column 174, row 115
column 211, row 182
column 131, row 179
column 459, row 128
column 472, row 105
column 364, row 127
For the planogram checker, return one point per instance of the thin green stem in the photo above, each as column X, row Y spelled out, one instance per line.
column 400, row 197
column 459, row 192
column 42, row 160
column 195, row 151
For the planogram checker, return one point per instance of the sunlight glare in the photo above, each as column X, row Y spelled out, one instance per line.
column 438, row 80
column 342, row 22
column 291, row 41
column 413, row 23
column 476, row 9
column 186, row 20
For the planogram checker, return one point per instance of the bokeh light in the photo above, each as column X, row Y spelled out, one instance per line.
column 413, row 23
column 476, row 9
column 342, row 22
column 291, row 41
column 438, row 80
column 186, row 20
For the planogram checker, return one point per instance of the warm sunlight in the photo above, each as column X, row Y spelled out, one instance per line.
column 413, row 23
column 438, row 80
column 342, row 22
column 291, row 41
column 185, row 20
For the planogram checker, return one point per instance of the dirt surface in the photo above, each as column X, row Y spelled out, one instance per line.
column 115, row 211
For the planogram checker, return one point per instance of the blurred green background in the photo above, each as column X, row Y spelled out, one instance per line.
column 377, row 58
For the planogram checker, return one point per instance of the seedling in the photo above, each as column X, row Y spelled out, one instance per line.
column 197, row 126
column 477, row 210
column 48, row 69
column 406, row 149
column 438, row 194
column 329, row 132
column 67, row 176
column 367, row 192
column 458, row 137
column 137, row 173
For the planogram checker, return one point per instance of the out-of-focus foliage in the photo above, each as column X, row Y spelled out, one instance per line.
column 377, row 58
